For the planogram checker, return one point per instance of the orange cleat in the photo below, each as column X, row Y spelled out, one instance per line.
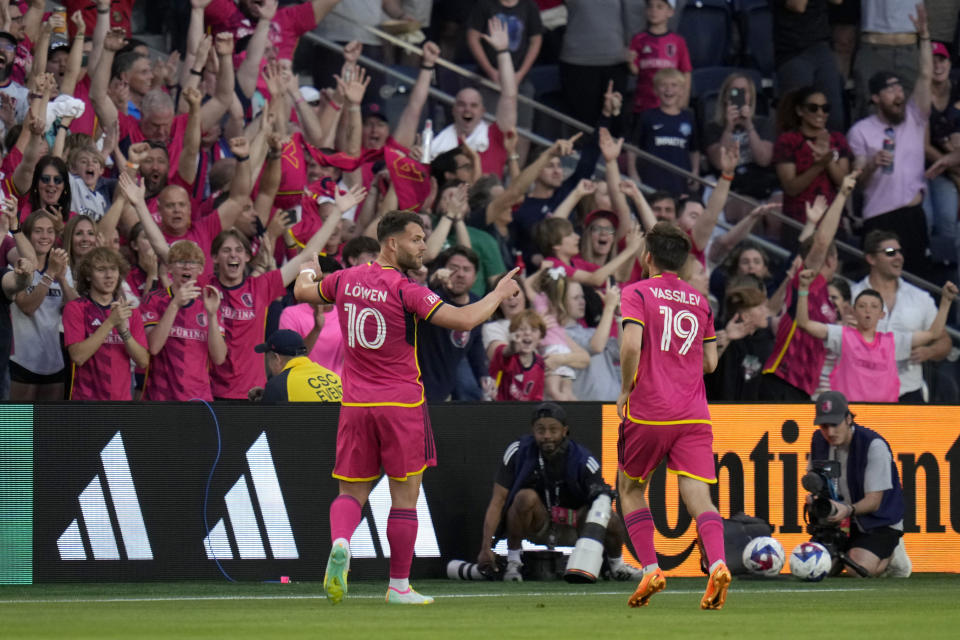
column 652, row 583
column 716, row 593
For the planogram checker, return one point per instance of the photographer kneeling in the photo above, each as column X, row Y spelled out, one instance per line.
column 868, row 489
column 545, row 486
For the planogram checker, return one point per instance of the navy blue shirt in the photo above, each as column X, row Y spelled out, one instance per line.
column 440, row 350
column 670, row 138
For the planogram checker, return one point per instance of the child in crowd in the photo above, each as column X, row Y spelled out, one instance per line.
column 670, row 133
column 866, row 367
column 652, row 50
column 517, row 368
column 561, row 353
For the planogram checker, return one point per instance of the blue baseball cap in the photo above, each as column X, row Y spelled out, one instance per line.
column 283, row 342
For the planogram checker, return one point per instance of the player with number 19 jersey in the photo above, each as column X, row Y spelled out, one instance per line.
column 379, row 310
column 677, row 321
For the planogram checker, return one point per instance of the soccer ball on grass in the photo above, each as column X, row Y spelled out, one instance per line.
column 763, row 556
column 810, row 561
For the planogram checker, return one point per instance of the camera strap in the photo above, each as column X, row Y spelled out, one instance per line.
column 549, row 485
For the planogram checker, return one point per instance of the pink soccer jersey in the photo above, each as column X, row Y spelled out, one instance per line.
column 181, row 371
column 655, row 52
column 379, row 310
column 243, row 312
column 676, row 320
column 106, row 375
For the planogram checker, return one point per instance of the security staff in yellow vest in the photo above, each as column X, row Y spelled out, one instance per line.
column 294, row 377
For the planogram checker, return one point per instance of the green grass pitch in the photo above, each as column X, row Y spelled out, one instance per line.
column 923, row 606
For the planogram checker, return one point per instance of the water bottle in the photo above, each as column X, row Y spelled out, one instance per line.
column 427, row 138
column 889, row 144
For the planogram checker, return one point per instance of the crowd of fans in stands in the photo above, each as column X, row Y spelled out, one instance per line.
column 157, row 206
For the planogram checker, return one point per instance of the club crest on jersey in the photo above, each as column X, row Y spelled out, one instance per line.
column 202, row 319
column 460, row 338
column 685, row 129
column 247, row 299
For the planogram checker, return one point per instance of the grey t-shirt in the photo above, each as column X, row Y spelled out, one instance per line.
column 596, row 34
column 601, row 380
column 878, row 476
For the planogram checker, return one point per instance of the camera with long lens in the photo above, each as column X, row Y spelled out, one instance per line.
column 821, row 483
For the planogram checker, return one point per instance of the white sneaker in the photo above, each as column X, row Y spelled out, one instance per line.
column 406, row 597
column 626, row 572
column 512, row 572
column 900, row 565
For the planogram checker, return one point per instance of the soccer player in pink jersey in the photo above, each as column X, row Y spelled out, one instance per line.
column 184, row 336
column 383, row 416
column 243, row 309
column 101, row 330
column 668, row 344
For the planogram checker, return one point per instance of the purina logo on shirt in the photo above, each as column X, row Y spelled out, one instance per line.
column 98, row 522
column 243, row 519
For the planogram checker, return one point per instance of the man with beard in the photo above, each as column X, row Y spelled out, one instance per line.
column 888, row 146
column 542, row 492
column 440, row 351
column 8, row 86
column 383, row 417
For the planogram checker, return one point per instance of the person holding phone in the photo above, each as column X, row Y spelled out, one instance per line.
column 736, row 123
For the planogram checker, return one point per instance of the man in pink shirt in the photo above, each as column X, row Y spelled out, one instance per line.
column 889, row 147
column 383, row 417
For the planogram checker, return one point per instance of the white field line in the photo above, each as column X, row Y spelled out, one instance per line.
column 505, row 594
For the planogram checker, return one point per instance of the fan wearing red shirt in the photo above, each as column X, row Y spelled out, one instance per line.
column 101, row 331
column 287, row 25
column 668, row 344
column 517, row 368
column 184, row 334
column 158, row 121
column 468, row 111
column 176, row 218
column 383, row 417
column 245, row 300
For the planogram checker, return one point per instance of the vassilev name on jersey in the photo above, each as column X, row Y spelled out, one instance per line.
column 684, row 297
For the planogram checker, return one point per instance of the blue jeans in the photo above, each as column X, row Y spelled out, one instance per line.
column 940, row 203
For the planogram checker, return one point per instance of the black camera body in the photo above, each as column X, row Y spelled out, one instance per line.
column 821, row 482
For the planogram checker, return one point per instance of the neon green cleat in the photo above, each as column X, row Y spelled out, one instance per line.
column 338, row 565
column 653, row 582
column 406, row 597
column 716, row 593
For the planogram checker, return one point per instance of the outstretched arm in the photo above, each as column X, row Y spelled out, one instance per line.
column 703, row 227
column 947, row 296
column 828, row 226
column 467, row 317
column 816, row 329
column 499, row 39
column 406, row 130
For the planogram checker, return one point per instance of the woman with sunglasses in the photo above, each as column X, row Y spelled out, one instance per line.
column 810, row 160
column 49, row 189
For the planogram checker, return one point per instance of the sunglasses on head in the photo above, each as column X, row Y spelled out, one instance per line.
column 49, row 179
column 890, row 251
column 813, row 107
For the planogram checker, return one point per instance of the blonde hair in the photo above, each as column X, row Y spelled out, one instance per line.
column 185, row 250
column 720, row 112
column 667, row 74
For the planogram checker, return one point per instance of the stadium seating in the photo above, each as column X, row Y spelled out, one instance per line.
column 755, row 22
column 707, row 26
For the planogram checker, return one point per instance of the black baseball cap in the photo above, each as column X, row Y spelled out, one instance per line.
column 9, row 36
column 881, row 80
column 832, row 408
column 59, row 43
column 283, row 342
column 374, row 109
column 549, row 410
